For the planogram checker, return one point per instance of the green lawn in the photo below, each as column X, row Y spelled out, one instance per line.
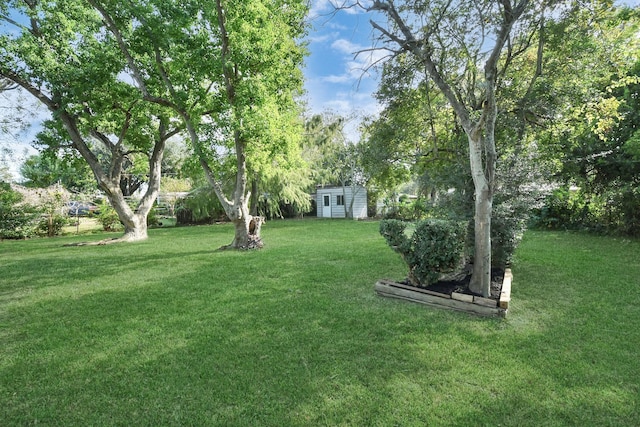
column 84, row 225
column 171, row 332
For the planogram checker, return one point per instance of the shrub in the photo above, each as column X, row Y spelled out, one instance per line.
column 406, row 209
column 152, row 218
column 17, row 222
column 614, row 210
column 108, row 217
column 393, row 230
column 508, row 224
column 435, row 247
column 201, row 206
column 563, row 209
column 16, row 219
column 51, row 225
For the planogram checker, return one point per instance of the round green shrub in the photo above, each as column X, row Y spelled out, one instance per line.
column 435, row 247
column 17, row 220
column 51, row 225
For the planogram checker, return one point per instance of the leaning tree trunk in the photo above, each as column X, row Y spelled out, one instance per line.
column 134, row 221
column 135, row 228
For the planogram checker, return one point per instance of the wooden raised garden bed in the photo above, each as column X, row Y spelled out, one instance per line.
column 454, row 301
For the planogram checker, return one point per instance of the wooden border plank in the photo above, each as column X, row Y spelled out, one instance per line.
column 383, row 288
column 462, row 297
column 505, row 293
column 414, row 289
column 487, row 302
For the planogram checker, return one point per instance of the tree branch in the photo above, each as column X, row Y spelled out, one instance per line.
column 411, row 44
column 136, row 73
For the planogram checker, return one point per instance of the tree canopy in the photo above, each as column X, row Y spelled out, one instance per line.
column 507, row 70
column 230, row 70
column 129, row 75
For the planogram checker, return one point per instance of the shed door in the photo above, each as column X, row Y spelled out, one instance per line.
column 326, row 206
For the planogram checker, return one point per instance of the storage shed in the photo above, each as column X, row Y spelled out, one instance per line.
column 334, row 201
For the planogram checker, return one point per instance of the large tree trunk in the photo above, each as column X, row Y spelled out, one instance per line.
column 247, row 227
column 135, row 228
column 134, row 222
column 483, row 162
column 247, row 233
column 253, row 205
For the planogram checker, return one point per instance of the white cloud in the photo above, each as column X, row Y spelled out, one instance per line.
column 336, row 26
column 359, row 57
column 321, row 8
column 344, row 78
column 345, row 46
column 320, row 39
column 339, row 106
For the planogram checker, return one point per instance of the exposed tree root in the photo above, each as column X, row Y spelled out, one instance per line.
column 103, row 242
column 253, row 242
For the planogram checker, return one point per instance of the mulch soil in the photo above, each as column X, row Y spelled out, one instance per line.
column 460, row 283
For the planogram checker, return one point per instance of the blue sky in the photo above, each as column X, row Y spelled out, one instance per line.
column 337, row 80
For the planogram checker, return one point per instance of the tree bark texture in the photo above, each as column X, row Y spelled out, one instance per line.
column 247, row 233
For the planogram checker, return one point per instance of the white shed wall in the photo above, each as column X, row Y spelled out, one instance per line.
column 338, row 211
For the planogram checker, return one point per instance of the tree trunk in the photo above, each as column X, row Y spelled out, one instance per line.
column 247, row 233
column 135, row 223
column 253, row 206
column 481, row 277
column 344, row 199
column 136, row 228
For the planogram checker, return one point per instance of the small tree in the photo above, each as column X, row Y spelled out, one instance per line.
column 52, row 200
column 465, row 49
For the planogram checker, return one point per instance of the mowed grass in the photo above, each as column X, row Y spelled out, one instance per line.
column 171, row 332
